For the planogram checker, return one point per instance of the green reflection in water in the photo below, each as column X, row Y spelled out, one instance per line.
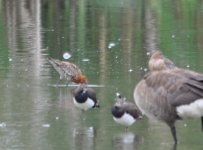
column 109, row 40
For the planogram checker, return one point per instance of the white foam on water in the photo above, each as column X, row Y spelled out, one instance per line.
column 46, row 125
column 111, row 44
column 66, row 55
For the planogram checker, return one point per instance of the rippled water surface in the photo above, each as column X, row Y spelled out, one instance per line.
column 110, row 41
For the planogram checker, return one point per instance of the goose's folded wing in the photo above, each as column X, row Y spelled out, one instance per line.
column 177, row 86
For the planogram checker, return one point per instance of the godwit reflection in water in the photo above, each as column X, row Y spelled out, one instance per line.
column 126, row 141
column 84, row 138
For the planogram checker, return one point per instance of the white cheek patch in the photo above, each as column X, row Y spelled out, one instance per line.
column 126, row 120
column 194, row 109
column 89, row 103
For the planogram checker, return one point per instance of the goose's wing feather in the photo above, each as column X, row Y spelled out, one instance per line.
column 177, row 86
column 169, row 63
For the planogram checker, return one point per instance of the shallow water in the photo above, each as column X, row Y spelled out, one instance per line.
column 110, row 41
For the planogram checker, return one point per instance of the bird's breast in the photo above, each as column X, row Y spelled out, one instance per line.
column 126, row 119
column 89, row 103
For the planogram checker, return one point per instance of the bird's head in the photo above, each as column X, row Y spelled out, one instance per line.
column 119, row 99
column 158, row 62
column 82, row 79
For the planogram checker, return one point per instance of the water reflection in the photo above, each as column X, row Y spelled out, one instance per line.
column 84, row 138
column 126, row 141
column 24, row 38
column 23, row 109
column 151, row 36
column 109, row 40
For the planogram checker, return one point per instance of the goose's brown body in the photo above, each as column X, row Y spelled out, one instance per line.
column 169, row 94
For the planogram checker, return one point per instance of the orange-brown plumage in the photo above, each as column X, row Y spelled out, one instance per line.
column 80, row 79
column 68, row 71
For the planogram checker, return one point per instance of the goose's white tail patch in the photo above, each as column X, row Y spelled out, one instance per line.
column 191, row 110
column 89, row 103
column 126, row 120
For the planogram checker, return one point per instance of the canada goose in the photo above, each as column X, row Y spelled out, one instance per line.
column 68, row 70
column 125, row 113
column 84, row 98
column 170, row 94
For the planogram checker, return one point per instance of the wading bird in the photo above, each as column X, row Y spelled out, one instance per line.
column 125, row 113
column 68, row 71
column 170, row 93
column 85, row 98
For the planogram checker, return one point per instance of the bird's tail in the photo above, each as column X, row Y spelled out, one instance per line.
column 97, row 105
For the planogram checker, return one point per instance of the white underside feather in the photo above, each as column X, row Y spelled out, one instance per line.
column 194, row 109
column 84, row 106
column 126, row 120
